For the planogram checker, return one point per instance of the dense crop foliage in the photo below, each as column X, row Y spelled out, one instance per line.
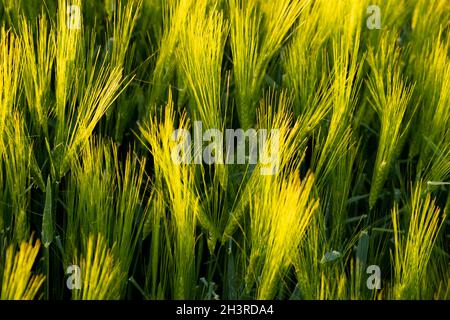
column 94, row 206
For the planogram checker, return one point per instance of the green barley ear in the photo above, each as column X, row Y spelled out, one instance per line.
column 68, row 47
column 178, row 184
column 18, row 160
column 100, row 277
column 274, row 113
column 125, row 19
column 258, row 30
column 39, row 58
column 80, row 101
column 200, row 55
column 175, row 16
column 280, row 213
column 18, row 281
column 344, row 87
column 129, row 210
column 90, row 212
column 114, row 209
column 10, row 71
column 428, row 18
column 391, row 96
column 430, row 139
column 340, row 188
column 246, row 22
column 414, row 244
column 307, row 77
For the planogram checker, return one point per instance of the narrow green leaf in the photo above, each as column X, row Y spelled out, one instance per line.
column 47, row 221
column 361, row 255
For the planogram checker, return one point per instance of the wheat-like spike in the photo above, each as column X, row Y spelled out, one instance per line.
column 391, row 99
column 101, row 275
column 258, row 29
column 177, row 181
column 18, row 281
column 413, row 249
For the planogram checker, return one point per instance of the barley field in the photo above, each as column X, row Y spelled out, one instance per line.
column 224, row 149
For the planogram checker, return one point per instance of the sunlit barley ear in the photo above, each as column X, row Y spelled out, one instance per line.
column 106, row 198
column 18, row 280
column 100, row 271
column 391, row 99
column 258, row 30
column 176, row 14
column 15, row 149
column 39, row 58
column 281, row 209
column 178, row 184
column 80, row 101
column 20, row 169
column 415, row 236
column 10, row 72
column 347, row 76
column 200, row 55
column 308, row 77
column 125, row 17
column 430, row 141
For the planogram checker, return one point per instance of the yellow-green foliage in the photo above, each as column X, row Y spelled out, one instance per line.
column 18, row 280
column 279, row 215
column 357, row 118
column 391, row 97
column 414, row 244
column 177, row 183
column 200, row 54
column 100, row 271
column 258, row 29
